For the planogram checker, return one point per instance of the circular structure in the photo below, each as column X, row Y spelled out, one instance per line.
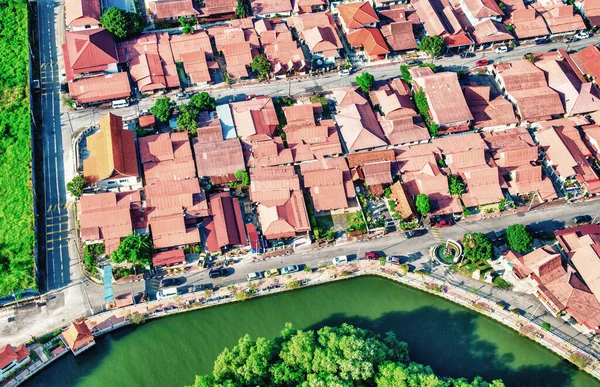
column 448, row 253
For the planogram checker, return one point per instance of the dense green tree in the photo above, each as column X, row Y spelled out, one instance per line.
column 423, row 204
column 332, row 356
column 519, row 238
column 261, row 65
column 186, row 119
column 433, row 45
column 242, row 179
column 163, row 108
column 135, row 248
column 202, row 101
column 456, row 187
column 365, row 81
column 135, row 24
column 477, row 247
column 76, row 186
column 115, row 21
column 242, row 9
column 405, row 74
column 187, row 25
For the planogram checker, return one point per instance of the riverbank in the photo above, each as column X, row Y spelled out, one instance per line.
column 203, row 300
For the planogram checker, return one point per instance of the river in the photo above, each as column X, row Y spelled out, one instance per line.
column 453, row 340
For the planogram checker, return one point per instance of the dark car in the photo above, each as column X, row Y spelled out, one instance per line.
column 542, row 41
column 371, row 255
column 218, row 272
column 169, row 282
column 414, row 233
column 394, row 260
column 465, row 55
column 581, row 219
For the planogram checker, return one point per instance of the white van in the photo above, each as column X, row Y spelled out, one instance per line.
column 342, row 259
column 166, row 293
column 119, row 103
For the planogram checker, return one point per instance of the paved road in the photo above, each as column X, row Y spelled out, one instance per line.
column 324, row 83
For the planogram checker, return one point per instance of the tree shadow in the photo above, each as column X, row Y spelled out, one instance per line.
column 446, row 341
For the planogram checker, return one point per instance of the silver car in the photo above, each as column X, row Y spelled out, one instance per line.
column 289, row 269
column 254, row 276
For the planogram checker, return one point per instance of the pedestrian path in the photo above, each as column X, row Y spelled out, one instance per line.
column 437, row 235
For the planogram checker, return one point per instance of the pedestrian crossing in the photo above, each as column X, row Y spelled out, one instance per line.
column 58, row 207
column 437, row 235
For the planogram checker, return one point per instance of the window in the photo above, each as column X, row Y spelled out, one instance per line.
column 123, row 181
column 111, row 182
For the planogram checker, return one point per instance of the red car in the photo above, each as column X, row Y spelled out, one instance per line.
column 482, row 62
column 371, row 255
column 443, row 223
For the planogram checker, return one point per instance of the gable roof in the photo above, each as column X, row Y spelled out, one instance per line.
column 170, row 230
column 400, row 36
column 167, row 9
column 272, row 185
column 226, row 226
column 481, row 9
column 266, row 7
column 346, row 96
column 254, row 118
column 285, row 220
column 528, row 23
column 447, row 104
column 588, row 61
column 486, row 112
column 357, row 14
column 439, row 19
column 166, row 157
column 79, row 13
column 100, row 88
column 404, row 130
column 326, row 188
column 220, row 158
column 359, row 127
column 112, row 151
column 78, row 335
column 489, row 31
column 370, row 39
column 90, row 50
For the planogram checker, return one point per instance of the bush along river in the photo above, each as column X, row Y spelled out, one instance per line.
column 453, row 340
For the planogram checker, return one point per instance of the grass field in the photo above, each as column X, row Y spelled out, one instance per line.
column 17, row 236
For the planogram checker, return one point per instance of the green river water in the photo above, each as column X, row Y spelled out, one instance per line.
column 453, row 340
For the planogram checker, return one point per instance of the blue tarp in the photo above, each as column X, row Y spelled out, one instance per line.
column 226, row 121
column 109, row 295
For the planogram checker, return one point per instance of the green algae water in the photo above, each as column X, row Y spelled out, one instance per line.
column 453, row 340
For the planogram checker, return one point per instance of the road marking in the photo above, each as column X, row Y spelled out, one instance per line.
column 57, row 224
column 55, row 216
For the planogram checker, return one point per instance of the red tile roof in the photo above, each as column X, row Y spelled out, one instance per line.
column 147, row 121
column 332, row 163
column 226, row 226
column 266, row 7
column 587, row 261
column 272, row 185
column 528, row 23
column 285, row 220
column 193, row 50
column 319, row 32
column 588, row 61
column 270, row 152
column 447, row 104
column 180, row 196
column 573, row 238
column 108, row 217
column 486, row 112
column 359, row 127
column 168, row 258
column 489, row 31
column 400, row 36
column 254, row 119
column 377, row 173
column 370, row 39
column 112, row 151
column 77, row 335
column 560, row 18
column 393, row 102
column 530, row 178
column 172, row 9
column 100, row 88
column 166, row 157
column 8, row 354
column 171, row 231
column 327, row 188
column 483, row 186
column 314, row 142
column 346, row 96
column 482, row 9
column 439, row 19
column 220, row 158
column 79, row 13
column 357, row 14
column 90, row 50
column 404, row 130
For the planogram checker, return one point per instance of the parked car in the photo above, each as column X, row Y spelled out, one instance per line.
column 443, row 223
column 344, row 72
column 581, row 219
column 465, row 55
column 482, row 62
column 372, row 255
column 271, row 273
column 289, row 269
column 254, row 276
column 569, row 39
column 414, row 233
column 393, row 260
column 541, row 41
column 168, row 282
column 218, row 272
column 179, row 96
column 501, row 49
column 166, row 293
column 342, row 259
column 582, row 35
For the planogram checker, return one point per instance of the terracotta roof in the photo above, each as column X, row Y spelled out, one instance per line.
column 591, row 10
column 357, row 14
column 270, row 152
column 483, row 186
column 100, row 88
column 526, row 85
column 182, row 197
column 171, row 231
column 226, row 226
column 486, row 112
column 439, row 19
column 272, row 185
column 79, row 13
column 221, row 158
column 528, row 23
column 517, row 263
column 359, row 127
column 530, row 178
column 573, row 238
column 404, row 205
column 151, row 62
column 400, row 36
column 588, row 61
column 489, row 31
column 8, row 354
column 284, row 54
column 90, row 50
column 447, row 104
column 335, row 163
column 218, row 7
column 587, row 262
column 347, row 96
column 379, row 172
column 429, row 180
column 168, row 258
column 314, row 141
column 361, row 158
column 108, row 217
column 301, row 115
column 482, row 9
column 404, row 130
column 305, row 6
column 168, row 9
column 512, row 148
column 112, row 151
column 564, row 147
column 285, row 220
column 545, row 264
column 78, row 335
column 561, row 18
column 327, row 188
column 255, row 118
column 193, row 50
column 370, row 39
column 266, row 7
column 393, row 103
column 319, row 32
column 166, row 157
